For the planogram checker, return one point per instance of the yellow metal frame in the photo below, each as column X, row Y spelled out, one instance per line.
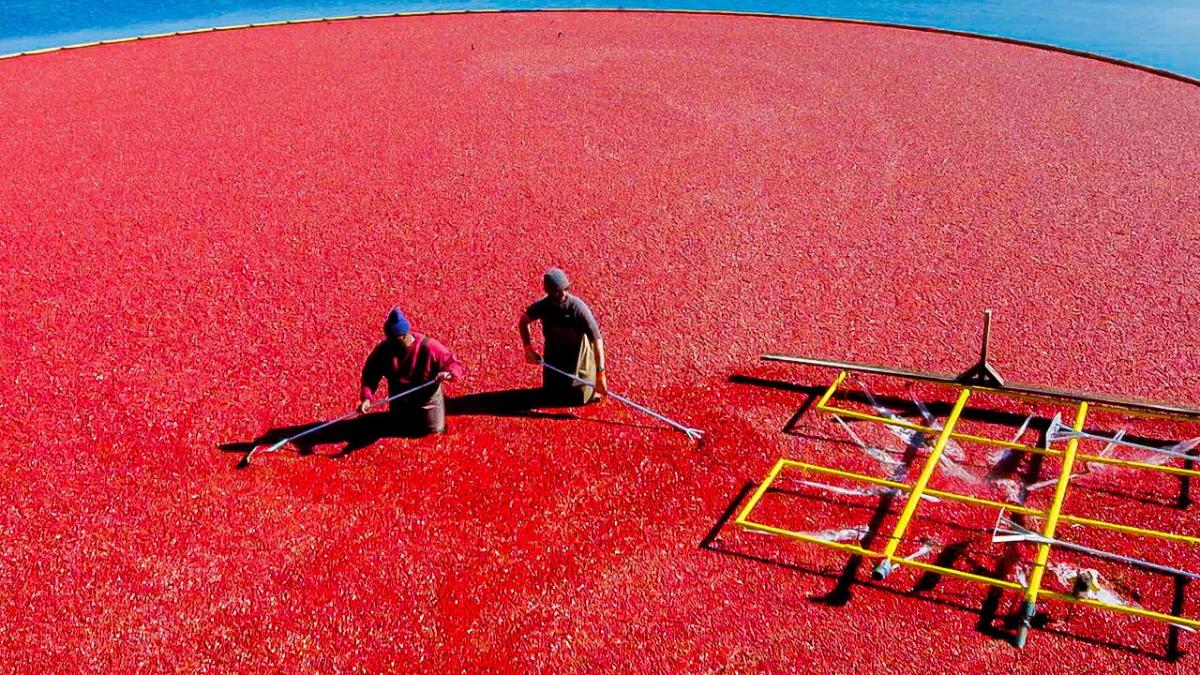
column 919, row 489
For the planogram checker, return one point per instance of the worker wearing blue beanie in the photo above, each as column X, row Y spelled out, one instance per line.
column 573, row 342
column 407, row 359
column 396, row 324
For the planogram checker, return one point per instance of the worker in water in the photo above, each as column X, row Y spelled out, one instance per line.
column 408, row 359
column 573, row 343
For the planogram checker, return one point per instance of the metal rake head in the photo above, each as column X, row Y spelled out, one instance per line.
column 275, row 447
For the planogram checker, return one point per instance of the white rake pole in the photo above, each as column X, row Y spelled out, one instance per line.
column 1008, row 531
column 275, row 447
column 694, row 434
column 1059, row 432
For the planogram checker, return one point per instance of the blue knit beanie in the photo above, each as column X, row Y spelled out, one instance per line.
column 555, row 280
column 396, row 324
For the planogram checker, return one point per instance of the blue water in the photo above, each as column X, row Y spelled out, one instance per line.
column 1160, row 33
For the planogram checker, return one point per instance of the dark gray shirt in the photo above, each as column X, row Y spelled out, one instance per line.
column 573, row 315
column 564, row 327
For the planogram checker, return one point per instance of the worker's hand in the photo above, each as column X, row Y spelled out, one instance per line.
column 531, row 356
column 443, row 377
column 364, row 405
column 601, row 384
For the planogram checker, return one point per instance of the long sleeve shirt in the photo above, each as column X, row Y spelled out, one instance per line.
column 406, row 367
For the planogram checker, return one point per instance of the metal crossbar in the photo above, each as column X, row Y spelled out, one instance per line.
column 1020, row 391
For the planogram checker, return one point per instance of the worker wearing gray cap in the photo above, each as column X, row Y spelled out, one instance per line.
column 572, row 343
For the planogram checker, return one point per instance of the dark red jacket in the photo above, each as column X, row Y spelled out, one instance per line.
column 406, row 367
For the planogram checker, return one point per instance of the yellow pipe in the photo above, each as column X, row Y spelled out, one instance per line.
column 837, row 382
column 995, row 442
column 1051, row 595
column 1113, row 461
column 1043, row 553
column 1036, row 398
column 849, row 548
column 1129, row 529
column 980, row 501
column 743, row 518
column 758, row 494
column 883, row 482
column 816, row 468
column 1077, row 520
column 1123, row 609
column 914, row 497
column 984, row 440
column 875, row 418
column 1131, row 464
column 969, row 576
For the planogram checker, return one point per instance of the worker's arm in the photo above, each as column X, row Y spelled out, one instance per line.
column 372, row 373
column 447, row 364
column 601, row 376
column 531, row 355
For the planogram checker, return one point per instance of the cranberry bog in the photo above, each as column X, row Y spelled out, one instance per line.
column 202, row 235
